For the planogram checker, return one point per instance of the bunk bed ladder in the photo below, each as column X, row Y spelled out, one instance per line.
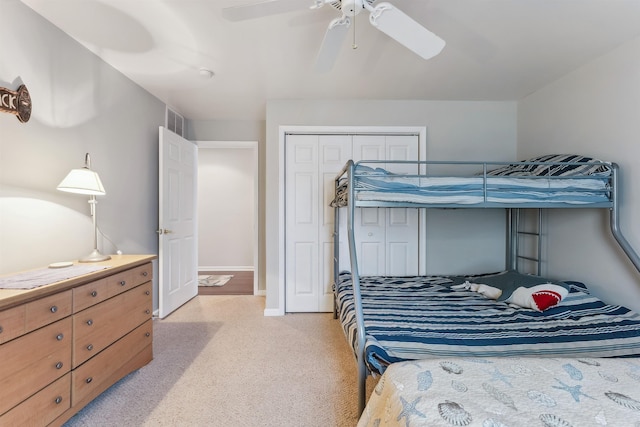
column 520, row 235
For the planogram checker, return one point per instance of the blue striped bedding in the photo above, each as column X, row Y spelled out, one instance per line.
column 474, row 190
column 420, row 317
column 558, row 180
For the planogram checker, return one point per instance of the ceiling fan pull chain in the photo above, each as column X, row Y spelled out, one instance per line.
column 354, row 45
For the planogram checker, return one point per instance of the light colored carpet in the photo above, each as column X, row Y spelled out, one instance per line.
column 214, row 280
column 219, row 362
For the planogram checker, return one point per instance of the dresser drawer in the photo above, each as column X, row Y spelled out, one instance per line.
column 47, row 310
column 32, row 361
column 12, row 323
column 43, row 407
column 98, row 326
column 127, row 354
column 90, row 294
column 122, row 282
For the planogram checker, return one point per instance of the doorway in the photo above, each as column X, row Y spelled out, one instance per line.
column 228, row 217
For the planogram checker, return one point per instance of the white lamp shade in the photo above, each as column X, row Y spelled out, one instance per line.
column 82, row 181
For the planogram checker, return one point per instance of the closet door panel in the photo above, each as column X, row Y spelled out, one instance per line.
column 335, row 151
column 302, row 220
column 386, row 238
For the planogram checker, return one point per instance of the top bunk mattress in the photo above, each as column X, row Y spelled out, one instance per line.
column 555, row 180
column 408, row 318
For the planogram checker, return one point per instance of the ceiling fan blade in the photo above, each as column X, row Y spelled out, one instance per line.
column 333, row 39
column 403, row 29
column 263, row 8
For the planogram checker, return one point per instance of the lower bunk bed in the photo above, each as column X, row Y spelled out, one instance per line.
column 498, row 315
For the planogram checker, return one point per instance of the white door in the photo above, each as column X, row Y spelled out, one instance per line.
column 312, row 164
column 388, row 242
column 178, row 269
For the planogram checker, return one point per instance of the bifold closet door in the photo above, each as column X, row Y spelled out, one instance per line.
column 387, row 238
column 312, row 164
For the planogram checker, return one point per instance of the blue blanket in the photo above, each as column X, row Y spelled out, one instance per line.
column 410, row 318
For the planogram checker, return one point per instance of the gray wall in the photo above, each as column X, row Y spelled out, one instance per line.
column 594, row 110
column 80, row 104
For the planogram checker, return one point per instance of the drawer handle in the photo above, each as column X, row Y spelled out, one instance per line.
column 88, row 380
column 122, row 283
column 1, row 329
column 145, row 274
column 94, row 294
column 90, row 322
column 59, row 365
column 58, row 400
column 148, row 334
column 147, row 311
column 90, row 347
column 147, row 293
column 59, row 337
column 53, row 309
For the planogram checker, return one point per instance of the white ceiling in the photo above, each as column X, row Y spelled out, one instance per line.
column 496, row 49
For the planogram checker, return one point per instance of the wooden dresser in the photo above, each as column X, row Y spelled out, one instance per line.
column 63, row 344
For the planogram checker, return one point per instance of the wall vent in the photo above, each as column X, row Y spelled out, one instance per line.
column 175, row 122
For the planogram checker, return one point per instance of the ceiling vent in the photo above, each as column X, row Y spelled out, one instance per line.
column 175, row 122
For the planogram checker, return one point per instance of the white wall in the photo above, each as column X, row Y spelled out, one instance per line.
column 80, row 104
column 594, row 110
column 455, row 130
column 225, row 208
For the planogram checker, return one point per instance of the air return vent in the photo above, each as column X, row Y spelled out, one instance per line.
column 175, row 122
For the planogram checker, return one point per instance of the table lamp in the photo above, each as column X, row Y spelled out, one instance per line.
column 86, row 181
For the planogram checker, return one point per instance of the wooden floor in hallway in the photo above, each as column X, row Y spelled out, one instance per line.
column 240, row 284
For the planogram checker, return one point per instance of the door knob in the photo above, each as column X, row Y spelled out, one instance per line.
column 164, row 231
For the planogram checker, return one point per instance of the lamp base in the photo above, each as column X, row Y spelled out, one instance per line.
column 95, row 256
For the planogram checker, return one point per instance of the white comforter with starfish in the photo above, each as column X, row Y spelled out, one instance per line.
column 492, row 392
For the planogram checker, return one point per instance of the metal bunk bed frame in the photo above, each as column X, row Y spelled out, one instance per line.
column 512, row 255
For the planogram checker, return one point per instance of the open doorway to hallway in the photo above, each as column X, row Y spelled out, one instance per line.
column 227, row 218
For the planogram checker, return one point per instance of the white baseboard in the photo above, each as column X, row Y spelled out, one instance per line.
column 270, row 312
column 226, row 268
column 260, row 293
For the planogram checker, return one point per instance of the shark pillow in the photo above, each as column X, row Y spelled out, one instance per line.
column 538, row 297
column 522, row 290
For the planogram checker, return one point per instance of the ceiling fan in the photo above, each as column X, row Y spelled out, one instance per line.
column 383, row 16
